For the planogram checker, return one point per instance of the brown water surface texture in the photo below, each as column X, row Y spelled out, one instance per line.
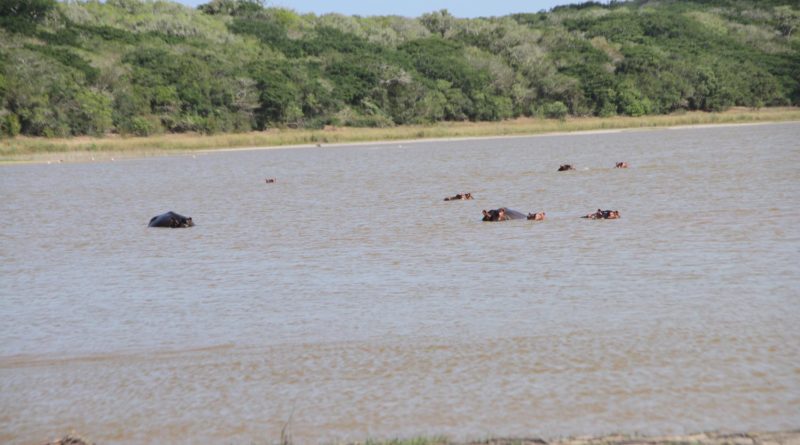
column 348, row 301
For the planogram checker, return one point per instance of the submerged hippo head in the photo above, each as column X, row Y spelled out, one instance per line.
column 171, row 220
column 492, row 215
column 566, row 167
column 622, row 165
column 459, row 197
column 539, row 216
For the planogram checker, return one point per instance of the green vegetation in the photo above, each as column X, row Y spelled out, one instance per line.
column 148, row 67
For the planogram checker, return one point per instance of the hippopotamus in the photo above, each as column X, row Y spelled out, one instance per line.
column 603, row 214
column 171, row 220
column 539, row 216
column 459, row 196
column 502, row 214
column 622, row 165
column 566, row 167
column 270, row 180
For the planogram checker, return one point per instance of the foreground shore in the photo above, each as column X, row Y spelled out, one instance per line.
column 86, row 149
column 789, row 437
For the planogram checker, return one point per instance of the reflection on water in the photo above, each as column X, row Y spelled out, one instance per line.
column 351, row 301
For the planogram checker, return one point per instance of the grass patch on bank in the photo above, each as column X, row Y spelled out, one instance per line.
column 27, row 149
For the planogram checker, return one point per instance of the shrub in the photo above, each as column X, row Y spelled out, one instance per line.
column 555, row 110
column 92, row 113
column 9, row 125
column 144, row 126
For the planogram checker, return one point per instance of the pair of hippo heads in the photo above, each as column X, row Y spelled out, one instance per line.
column 459, row 197
column 568, row 167
column 171, row 220
column 505, row 214
column 603, row 214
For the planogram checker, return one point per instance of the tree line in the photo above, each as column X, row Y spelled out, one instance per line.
column 141, row 67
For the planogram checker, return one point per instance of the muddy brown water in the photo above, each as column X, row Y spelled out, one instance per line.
column 347, row 300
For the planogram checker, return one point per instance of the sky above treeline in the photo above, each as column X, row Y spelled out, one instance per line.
column 412, row 8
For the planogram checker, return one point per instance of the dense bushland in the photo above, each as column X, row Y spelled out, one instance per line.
column 145, row 67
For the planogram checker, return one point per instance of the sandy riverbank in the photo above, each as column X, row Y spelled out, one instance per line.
column 789, row 437
column 112, row 148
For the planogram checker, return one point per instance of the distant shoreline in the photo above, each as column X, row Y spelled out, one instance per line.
column 86, row 149
column 477, row 138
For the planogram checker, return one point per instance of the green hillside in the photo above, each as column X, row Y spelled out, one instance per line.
column 147, row 67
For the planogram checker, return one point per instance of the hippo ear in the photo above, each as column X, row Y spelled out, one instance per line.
column 485, row 213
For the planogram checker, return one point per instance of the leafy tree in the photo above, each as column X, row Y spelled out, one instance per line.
column 631, row 102
column 279, row 95
column 712, row 92
column 438, row 59
column 232, row 7
column 788, row 20
column 23, row 15
column 91, row 114
column 439, row 22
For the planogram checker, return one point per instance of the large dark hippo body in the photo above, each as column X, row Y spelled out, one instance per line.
column 603, row 214
column 503, row 214
column 171, row 220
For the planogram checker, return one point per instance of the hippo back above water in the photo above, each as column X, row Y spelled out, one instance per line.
column 603, row 214
column 171, row 220
column 502, row 214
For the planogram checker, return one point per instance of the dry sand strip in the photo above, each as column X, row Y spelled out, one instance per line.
column 789, row 437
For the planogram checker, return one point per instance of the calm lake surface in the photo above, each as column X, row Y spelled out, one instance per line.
column 349, row 301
